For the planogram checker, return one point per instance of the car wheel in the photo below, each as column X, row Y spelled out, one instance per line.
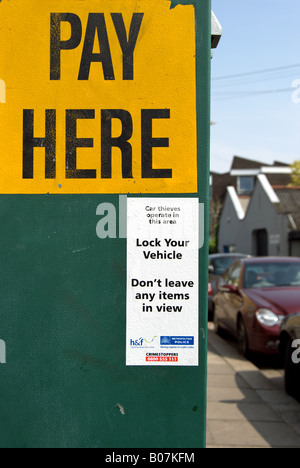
column 292, row 372
column 243, row 342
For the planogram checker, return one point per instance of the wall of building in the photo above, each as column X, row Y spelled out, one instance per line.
column 261, row 218
column 230, row 227
column 262, row 215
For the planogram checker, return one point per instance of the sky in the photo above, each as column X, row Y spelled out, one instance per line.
column 256, row 82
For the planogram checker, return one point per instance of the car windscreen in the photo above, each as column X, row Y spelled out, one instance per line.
column 221, row 264
column 272, row 275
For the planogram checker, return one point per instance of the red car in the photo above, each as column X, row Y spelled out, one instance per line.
column 254, row 296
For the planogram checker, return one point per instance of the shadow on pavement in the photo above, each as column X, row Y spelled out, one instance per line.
column 245, row 408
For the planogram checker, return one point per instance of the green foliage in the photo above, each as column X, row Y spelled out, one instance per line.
column 213, row 243
column 296, row 174
column 213, row 246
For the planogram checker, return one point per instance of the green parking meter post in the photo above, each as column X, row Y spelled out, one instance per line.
column 104, row 179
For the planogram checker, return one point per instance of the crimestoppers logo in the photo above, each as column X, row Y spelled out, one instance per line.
column 141, row 342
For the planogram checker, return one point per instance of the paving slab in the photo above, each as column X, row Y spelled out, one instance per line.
column 241, row 412
column 226, row 381
column 235, row 434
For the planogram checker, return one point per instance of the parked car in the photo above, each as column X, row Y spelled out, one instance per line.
column 290, row 351
column 254, row 296
column 218, row 264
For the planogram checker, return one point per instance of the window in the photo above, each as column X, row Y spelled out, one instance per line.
column 245, row 185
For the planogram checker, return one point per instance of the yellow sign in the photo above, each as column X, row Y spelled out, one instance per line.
column 97, row 96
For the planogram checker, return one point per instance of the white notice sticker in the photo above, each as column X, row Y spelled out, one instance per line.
column 162, row 282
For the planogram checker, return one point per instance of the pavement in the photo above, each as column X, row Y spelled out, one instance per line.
column 246, row 409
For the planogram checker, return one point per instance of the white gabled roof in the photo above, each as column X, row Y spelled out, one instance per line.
column 241, row 208
column 268, row 188
column 236, row 203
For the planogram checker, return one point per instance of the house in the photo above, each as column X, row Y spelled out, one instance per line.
column 264, row 222
column 242, row 177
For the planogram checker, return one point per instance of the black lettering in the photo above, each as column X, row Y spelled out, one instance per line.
column 108, row 142
column 96, row 23
column 127, row 45
column 56, row 45
column 72, row 143
column 30, row 142
column 148, row 143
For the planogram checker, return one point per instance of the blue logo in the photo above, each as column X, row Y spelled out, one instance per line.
column 177, row 340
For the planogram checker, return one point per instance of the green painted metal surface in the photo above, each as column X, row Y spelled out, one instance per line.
column 63, row 320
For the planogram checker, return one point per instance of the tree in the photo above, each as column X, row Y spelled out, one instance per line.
column 215, row 209
column 295, row 174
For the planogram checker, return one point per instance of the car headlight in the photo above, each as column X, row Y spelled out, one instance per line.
column 268, row 318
